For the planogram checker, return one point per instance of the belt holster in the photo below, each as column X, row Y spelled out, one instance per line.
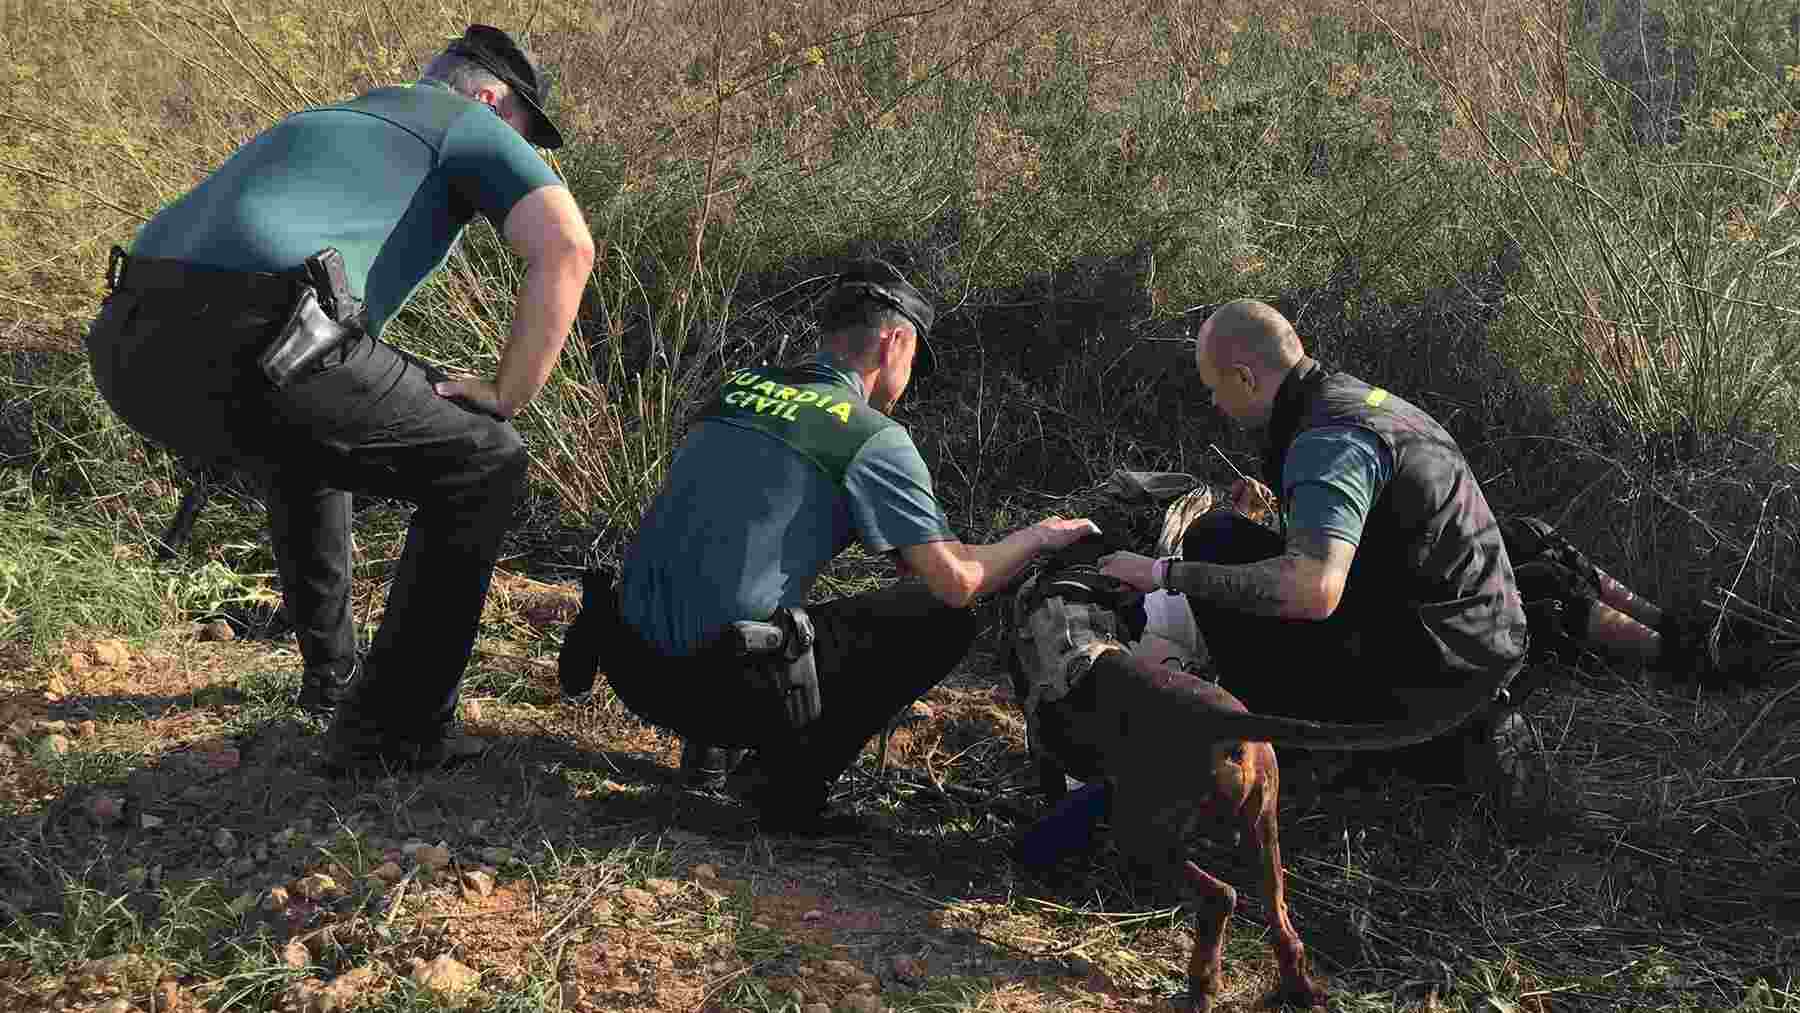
column 778, row 658
column 322, row 318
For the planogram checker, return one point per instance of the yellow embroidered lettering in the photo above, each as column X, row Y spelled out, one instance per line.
column 765, row 387
column 734, row 399
column 806, row 397
column 786, row 393
column 842, row 411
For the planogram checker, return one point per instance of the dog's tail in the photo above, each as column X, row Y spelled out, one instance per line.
column 1469, row 701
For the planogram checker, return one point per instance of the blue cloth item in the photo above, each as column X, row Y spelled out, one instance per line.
column 1069, row 829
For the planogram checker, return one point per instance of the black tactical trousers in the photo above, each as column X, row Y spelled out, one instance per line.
column 1362, row 665
column 875, row 653
column 180, row 368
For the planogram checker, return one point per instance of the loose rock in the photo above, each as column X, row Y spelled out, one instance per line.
column 112, row 653
column 316, row 886
column 705, row 871
column 217, row 630
column 433, row 858
column 908, row 969
column 446, row 976
column 388, row 872
column 480, row 883
column 812, row 916
column 150, row 822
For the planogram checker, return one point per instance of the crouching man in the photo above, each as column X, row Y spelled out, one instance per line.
column 1391, row 592
column 709, row 634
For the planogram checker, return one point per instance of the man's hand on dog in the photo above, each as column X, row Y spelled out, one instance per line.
column 1130, row 568
column 1061, row 532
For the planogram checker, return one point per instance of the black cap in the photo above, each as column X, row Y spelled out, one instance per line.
column 876, row 279
column 495, row 50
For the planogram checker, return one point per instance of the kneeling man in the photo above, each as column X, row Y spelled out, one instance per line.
column 777, row 474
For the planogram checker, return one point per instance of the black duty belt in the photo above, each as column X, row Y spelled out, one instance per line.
column 249, row 289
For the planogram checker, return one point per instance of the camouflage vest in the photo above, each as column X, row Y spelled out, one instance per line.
column 808, row 408
column 1431, row 556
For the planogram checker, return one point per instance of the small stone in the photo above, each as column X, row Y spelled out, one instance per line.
column 663, row 887
column 446, row 976
column 705, row 871
column 294, row 955
column 433, row 858
column 217, row 630
column 349, row 989
column 150, row 822
column 908, row 969
column 496, row 856
column 843, row 969
column 388, row 872
column 224, row 842
column 480, row 883
column 106, row 811
column 315, row 886
column 276, row 900
column 112, row 653
column 106, row 968
column 812, row 916
column 637, row 898
column 51, row 746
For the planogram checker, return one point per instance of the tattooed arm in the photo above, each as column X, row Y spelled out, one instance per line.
column 1304, row 582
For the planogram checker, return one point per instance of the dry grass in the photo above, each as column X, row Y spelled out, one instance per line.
column 1663, row 880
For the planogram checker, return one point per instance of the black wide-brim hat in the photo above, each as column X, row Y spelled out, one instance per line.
column 495, row 50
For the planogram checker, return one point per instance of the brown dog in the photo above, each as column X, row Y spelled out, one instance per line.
column 1132, row 722
column 1105, row 725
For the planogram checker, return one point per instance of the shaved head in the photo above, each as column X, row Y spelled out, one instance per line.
column 1250, row 333
column 1244, row 351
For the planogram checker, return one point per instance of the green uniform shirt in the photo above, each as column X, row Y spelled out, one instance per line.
column 775, row 478
column 390, row 179
column 1333, row 476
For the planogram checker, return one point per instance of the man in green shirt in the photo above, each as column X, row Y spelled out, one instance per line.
column 781, row 470
column 389, row 180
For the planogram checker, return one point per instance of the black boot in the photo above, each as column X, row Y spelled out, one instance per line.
column 706, row 766
column 323, row 686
